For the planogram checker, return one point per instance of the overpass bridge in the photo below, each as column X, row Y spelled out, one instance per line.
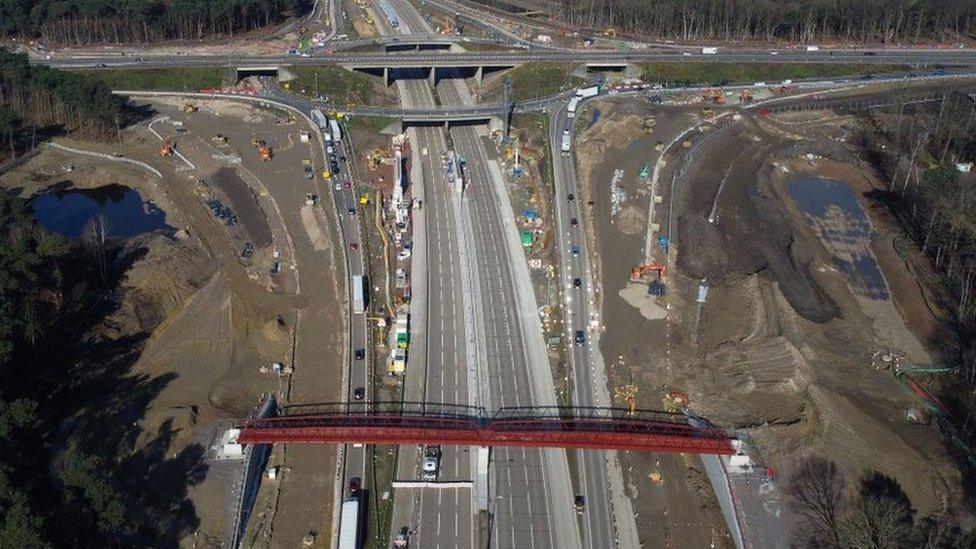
column 451, row 424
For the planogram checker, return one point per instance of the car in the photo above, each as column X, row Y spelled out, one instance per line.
column 359, row 393
column 577, row 282
column 360, row 354
column 346, row 184
column 338, row 186
column 403, row 255
column 579, row 503
column 870, row 53
column 571, row 197
column 354, row 246
column 580, row 337
column 351, row 210
column 574, row 222
column 575, row 250
column 354, row 484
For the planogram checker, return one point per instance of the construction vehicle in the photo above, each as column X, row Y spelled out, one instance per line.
column 746, row 96
column 166, row 149
column 219, row 140
column 628, row 394
column 644, row 172
column 376, row 157
column 707, row 112
column 675, row 401
column 189, row 108
column 648, row 126
column 610, row 32
column 715, row 96
column 640, row 272
column 266, row 153
column 659, row 146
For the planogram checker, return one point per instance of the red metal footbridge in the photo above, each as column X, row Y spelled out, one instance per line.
column 452, row 424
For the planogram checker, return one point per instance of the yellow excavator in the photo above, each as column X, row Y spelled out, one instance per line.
column 628, row 393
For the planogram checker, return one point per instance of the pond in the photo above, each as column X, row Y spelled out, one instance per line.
column 844, row 228
column 67, row 212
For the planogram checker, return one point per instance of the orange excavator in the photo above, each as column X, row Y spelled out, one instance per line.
column 745, row 96
column 640, row 272
column 715, row 96
column 263, row 148
column 166, row 149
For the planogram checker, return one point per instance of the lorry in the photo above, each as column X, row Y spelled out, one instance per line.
column 320, row 119
column 401, row 331
column 709, row 50
column 432, row 462
column 358, row 299
column 813, row 48
column 566, row 142
column 590, row 91
column 349, row 524
column 399, row 363
column 336, row 132
column 571, row 109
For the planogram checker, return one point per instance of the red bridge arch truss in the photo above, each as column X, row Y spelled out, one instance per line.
column 425, row 423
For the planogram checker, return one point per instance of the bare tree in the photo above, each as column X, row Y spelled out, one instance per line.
column 816, row 489
column 876, row 523
column 96, row 237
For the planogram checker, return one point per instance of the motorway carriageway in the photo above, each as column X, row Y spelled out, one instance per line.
column 437, row 364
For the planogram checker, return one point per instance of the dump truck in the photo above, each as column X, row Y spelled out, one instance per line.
column 358, row 298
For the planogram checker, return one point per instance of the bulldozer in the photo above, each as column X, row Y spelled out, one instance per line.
column 376, row 157
column 610, row 32
column 648, row 126
column 166, row 149
column 219, row 140
column 189, row 108
column 640, row 272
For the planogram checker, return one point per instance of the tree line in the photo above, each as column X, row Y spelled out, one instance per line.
column 69, row 22
column 795, row 20
column 36, row 99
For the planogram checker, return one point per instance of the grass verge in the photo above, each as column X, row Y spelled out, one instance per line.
column 688, row 74
column 333, row 83
column 174, row 79
column 533, row 80
column 372, row 124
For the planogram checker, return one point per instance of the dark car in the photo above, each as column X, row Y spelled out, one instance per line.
column 579, row 503
column 574, row 222
column 360, row 354
column 576, row 250
column 351, row 210
column 577, row 282
column 354, row 484
column 359, row 393
column 580, row 337
column 570, row 197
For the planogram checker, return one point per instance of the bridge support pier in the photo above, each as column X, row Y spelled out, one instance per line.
column 386, row 76
column 432, row 77
column 479, row 75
